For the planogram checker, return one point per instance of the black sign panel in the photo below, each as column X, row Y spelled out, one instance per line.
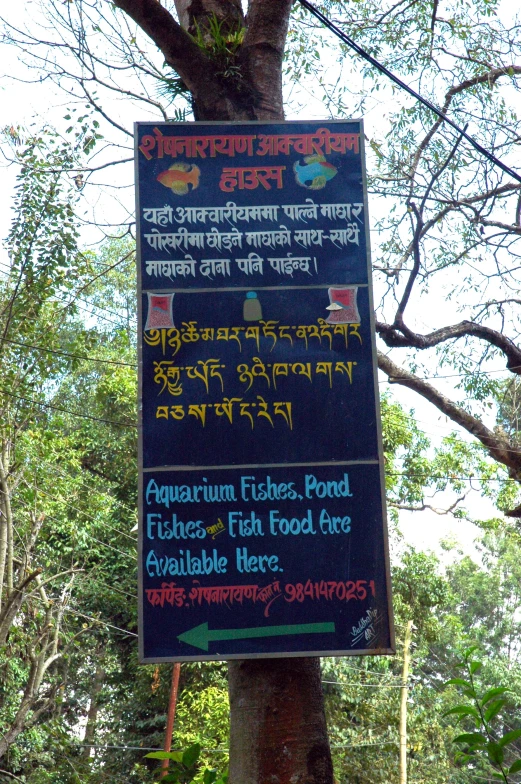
column 262, row 519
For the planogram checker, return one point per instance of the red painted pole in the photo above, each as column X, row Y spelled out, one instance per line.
column 171, row 715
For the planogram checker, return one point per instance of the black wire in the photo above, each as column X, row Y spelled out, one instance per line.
column 66, row 410
column 358, row 49
column 68, row 354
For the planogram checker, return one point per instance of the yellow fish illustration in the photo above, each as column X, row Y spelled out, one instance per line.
column 179, row 177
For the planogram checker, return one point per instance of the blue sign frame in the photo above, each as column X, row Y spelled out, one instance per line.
column 262, row 508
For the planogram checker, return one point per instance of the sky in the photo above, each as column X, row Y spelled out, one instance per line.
column 27, row 103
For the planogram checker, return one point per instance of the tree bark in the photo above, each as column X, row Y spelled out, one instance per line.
column 252, row 88
column 92, row 715
column 278, row 728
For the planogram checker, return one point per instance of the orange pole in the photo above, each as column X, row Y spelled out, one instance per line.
column 171, row 715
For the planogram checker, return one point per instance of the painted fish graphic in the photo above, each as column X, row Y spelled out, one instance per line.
column 179, row 177
column 315, row 173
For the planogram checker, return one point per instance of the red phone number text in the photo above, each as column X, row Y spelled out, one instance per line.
column 329, row 590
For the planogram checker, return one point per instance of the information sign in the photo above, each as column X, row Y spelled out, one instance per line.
column 262, row 512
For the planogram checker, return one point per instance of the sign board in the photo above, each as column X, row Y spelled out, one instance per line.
column 262, row 513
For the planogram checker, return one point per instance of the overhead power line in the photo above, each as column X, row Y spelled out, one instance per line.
column 74, row 611
column 66, row 410
column 403, row 86
column 68, row 353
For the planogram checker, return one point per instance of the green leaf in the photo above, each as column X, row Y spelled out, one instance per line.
column 175, row 756
column 191, row 755
column 493, row 693
column 474, row 666
column 516, row 767
column 463, row 710
column 471, row 739
column 509, row 737
column 459, row 682
column 494, row 709
column 172, row 778
column 495, row 752
column 209, row 776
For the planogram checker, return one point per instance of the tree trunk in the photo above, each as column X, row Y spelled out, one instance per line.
column 278, row 727
column 92, row 715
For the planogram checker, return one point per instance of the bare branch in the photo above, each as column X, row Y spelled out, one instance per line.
column 395, row 338
column 424, row 507
column 180, row 52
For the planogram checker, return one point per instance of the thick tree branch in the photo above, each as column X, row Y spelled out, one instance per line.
column 395, row 338
column 179, row 50
column 497, row 445
column 262, row 54
column 192, row 12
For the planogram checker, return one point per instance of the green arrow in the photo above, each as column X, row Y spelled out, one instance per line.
column 201, row 636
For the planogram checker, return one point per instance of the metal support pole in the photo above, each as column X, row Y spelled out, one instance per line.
column 171, row 715
column 403, row 703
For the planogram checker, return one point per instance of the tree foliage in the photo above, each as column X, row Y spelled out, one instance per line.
column 446, row 267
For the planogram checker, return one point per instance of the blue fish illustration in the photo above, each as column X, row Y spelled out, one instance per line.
column 315, row 173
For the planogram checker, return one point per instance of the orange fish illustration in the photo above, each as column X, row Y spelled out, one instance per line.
column 179, row 177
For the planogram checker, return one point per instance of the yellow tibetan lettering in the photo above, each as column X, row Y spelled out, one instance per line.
column 268, row 331
column 302, row 332
column 198, row 411
column 282, row 333
column 174, row 340
column 353, row 330
column 263, row 410
column 236, row 335
column 203, row 370
column 152, row 337
column 279, row 369
column 259, row 369
column 313, row 332
column 245, row 375
column 254, row 334
column 226, row 407
column 325, row 331
column 190, row 333
column 244, row 411
column 162, row 412
column 170, row 376
column 214, row 371
column 207, row 333
column 325, row 368
column 223, row 333
column 302, row 369
column 278, row 408
column 342, row 329
column 345, row 367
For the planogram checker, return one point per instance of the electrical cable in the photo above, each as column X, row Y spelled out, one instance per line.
column 82, row 299
column 74, row 611
column 85, row 514
column 66, row 410
column 358, row 49
column 460, row 375
column 367, row 685
column 68, row 353
column 98, row 541
column 134, row 365
column 91, row 489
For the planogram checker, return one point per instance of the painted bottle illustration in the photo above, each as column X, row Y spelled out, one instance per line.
column 251, row 310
